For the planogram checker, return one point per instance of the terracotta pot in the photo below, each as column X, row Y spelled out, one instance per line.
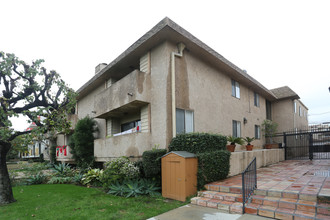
column 271, row 146
column 249, row 147
column 231, row 148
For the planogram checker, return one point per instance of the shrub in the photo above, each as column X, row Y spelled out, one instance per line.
column 118, row 170
column 92, row 177
column 152, row 162
column 212, row 166
column 82, row 143
column 198, row 142
column 139, row 164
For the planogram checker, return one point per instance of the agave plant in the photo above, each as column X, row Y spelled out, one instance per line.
column 62, row 168
column 118, row 189
column 150, row 187
column 134, row 188
column 39, row 178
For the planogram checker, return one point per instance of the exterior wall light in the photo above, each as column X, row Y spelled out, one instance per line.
column 244, row 120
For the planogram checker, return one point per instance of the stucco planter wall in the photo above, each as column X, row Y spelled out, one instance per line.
column 240, row 160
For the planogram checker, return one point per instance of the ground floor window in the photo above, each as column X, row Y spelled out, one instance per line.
column 257, row 131
column 184, row 121
column 236, row 128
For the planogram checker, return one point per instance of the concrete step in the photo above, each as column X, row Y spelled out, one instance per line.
column 230, row 197
column 223, row 205
column 282, row 213
column 221, row 188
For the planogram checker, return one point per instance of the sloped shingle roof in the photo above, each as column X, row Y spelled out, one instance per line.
column 284, row 93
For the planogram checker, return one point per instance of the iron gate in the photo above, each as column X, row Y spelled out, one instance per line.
column 306, row 144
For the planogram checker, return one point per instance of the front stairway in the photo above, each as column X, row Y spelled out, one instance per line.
column 272, row 204
column 287, row 190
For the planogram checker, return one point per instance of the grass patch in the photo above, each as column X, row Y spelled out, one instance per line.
column 62, row 201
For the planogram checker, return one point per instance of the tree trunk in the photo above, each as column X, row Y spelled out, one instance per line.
column 6, row 193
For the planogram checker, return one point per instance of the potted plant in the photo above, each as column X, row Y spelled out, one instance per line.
column 249, row 146
column 269, row 128
column 233, row 141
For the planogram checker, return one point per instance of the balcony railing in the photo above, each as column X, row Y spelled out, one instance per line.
column 130, row 145
column 249, row 181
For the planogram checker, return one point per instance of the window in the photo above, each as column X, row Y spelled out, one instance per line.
column 129, row 125
column 300, row 114
column 294, row 107
column 256, row 99
column 236, row 128
column 268, row 110
column 184, row 121
column 235, row 89
column 257, row 132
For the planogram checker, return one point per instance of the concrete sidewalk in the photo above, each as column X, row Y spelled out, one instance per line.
column 194, row 212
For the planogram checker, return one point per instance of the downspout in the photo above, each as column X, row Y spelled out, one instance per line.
column 181, row 47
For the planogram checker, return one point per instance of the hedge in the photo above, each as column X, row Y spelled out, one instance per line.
column 152, row 162
column 198, row 142
column 212, row 166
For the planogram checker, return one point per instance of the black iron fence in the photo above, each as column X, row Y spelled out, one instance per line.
column 312, row 143
column 249, row 181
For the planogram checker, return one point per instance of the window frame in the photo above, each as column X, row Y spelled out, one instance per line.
column 257, row 132
column 256, row 99
column 235, row 89
column 136, row 123
column 185, row 121
column 236, row 128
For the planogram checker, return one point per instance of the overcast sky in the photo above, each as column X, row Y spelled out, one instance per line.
column 278, row 42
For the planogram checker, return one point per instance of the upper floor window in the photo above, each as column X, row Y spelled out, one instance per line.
column 235, row 91
column 294, row 107
column 236, row 128
column 256, row 99
column 300, row 114
column 130, row 125
column 184, row 121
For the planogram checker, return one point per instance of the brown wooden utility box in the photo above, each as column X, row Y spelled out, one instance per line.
column 179, row 175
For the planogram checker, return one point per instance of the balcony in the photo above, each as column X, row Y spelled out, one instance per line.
column 133, row 144
column 63, row 154
column 124, row 96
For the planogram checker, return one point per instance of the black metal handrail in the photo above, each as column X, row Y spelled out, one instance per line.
column 249, row 181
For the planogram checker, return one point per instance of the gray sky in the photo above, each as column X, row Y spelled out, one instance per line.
column 278, row 42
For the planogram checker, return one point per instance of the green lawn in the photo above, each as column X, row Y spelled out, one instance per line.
column 74, row 202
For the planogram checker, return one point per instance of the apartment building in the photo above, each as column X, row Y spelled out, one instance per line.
column 169, row 82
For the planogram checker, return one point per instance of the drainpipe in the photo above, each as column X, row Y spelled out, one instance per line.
column 181, row 47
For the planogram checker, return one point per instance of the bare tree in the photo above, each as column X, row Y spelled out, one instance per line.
column 30, row 91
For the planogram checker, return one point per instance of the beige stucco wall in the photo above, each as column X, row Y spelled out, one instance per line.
column 85, row 107
column 287, row 119
column 240, row 160
column 301, row 121
column 212, row 102
column 160, row 106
